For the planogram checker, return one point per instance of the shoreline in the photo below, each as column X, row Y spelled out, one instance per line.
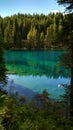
column 37, row 49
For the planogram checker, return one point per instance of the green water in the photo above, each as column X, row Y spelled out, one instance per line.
column 36, row 71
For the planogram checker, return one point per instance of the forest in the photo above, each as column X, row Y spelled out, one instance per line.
column 37, row 31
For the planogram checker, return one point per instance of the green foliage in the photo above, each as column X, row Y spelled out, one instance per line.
column 14, row 114
column 2, row 68
column 67, row 3
column 32, row 37
column 68, row 39
column 31, row 31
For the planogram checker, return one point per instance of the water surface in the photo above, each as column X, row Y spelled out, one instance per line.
column 35, row 71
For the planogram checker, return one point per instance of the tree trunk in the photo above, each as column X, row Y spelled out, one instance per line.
column 71, row 90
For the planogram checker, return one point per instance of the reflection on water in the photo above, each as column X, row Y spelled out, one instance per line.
column 37, row 70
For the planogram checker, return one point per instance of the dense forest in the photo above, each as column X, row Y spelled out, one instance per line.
column 32, row 31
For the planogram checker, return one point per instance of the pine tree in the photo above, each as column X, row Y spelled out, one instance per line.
column 32, row 37
column 2, row 68
column 68, row 39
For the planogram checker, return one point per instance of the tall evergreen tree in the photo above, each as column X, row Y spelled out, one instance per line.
column 68, row 39
column 2, row 68
column 1, row 37
column 41, row 40
column 32, row 37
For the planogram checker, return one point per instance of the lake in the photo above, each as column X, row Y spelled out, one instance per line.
column 31, row 72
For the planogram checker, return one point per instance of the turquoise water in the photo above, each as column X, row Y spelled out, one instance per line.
column 36, row 71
